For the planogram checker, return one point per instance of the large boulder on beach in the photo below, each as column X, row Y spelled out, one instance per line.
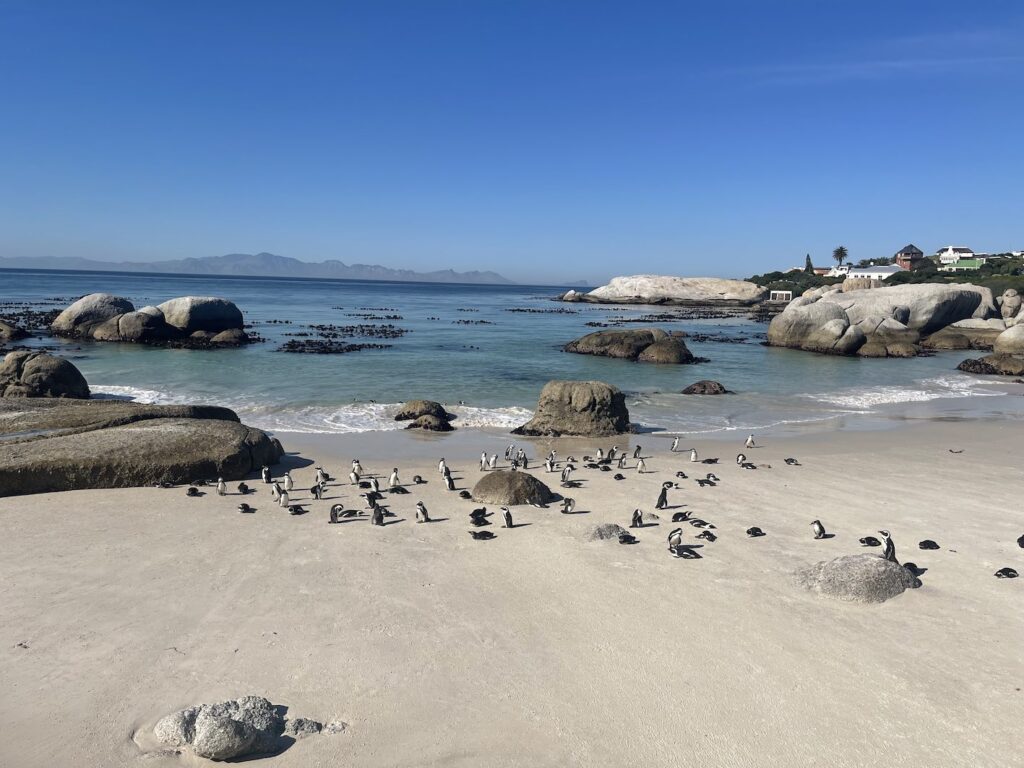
column 51, row 445
column 862, row 578
column 38, row 374
column 230, row 729
column 431, row 423
column 923, row 307
column 666, row 289
column 816, row 326
column 201, row 313
column 511, row 488
column 1010, row 341
column 994, row 365
column 584, row 408
column 413, row 409
column 706, row 387
column 10, row 332
column 79, row 319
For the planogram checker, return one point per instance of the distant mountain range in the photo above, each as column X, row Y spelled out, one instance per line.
column 257, row 265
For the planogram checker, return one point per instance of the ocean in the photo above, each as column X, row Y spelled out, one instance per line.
column 475, row 349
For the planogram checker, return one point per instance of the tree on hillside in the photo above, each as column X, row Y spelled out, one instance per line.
column 840, row 254
column 808, row 266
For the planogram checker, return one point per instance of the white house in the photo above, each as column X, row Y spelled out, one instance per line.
column 840, row 270
column 882, row 272
column 951, row 254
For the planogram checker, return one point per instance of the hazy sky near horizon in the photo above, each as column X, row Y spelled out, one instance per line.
column 549, row 141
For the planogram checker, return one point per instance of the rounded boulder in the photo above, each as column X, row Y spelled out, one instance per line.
column 82, row 316
column 706, row 387
column 584, row 408
column 416, row 408
column 863, row 578
column 37, row 374
column 511, row 489
column 201, row 313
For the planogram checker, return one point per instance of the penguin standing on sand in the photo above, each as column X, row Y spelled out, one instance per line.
column 549, row 465
column 506, row 515
column 663, row 496
column 600, row 454
column 265, row 474
column 353, row 477
column 675, row 540
column 222, row 487
column 275, row 491
column 741, row 458
column 566, row 472
column 568, row 505
column 441, row 467
column 317, row 491
column 449, row 483
column 357, row 467
column 819, row 529
column 377, row 516
column 888, row 548
column 641, row 466
column 493, row 463
column 483, row 460
column 750, row 441
column 675, row 444
column 374, row 485
column 321, row 476
column 637, row 520
column 288, row 482
column 693, row 454
column 622, row 461
column 636, row 453
column 283, row 501
column 393, row 481
column 421, row 513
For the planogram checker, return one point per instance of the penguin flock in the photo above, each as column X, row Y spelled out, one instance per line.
column 282, row 489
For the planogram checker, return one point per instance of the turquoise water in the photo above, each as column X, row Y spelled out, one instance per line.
column 496, row 369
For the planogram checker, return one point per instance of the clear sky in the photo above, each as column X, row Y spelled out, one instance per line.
column 546, row 140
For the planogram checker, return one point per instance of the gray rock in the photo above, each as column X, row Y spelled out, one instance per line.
column 430, row 423
column 10, row 332
column 232, row 337
column 416, row 408
column 510, row 489
column 663, row 289
column 61, row 445
column 994, row 365
column 706, row 387
column 672, row 350
column 300, row 727
column 147, row 324
column 335, row 727
column 811, row 324
column 221, row 737
column 1010, row 303
column 177, row 729
column 584, row 408
column 37, row 374
column 863, row 578
column 201, row 313
column 627, row 344
column 79, row 319
column 924, row 307
column 1010, row 341
column 604, row 532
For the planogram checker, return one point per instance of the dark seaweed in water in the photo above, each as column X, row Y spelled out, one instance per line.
column 472, row 322
column 535, row 311
column 326, row 347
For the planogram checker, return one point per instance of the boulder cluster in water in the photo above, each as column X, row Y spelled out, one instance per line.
column 645, row 346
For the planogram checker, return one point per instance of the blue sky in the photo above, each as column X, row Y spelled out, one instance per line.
column 549, row 141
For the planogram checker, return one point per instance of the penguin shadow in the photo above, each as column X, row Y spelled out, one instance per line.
column 671, row 506
column 518, row 525
column 646, row 524
column 392, row 521
column 431, row 520
column 578, row 512
column 827, row 536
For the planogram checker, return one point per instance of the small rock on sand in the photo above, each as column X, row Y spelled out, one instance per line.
column 605, row 532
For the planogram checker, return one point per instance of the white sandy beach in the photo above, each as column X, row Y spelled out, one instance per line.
column 537, row 648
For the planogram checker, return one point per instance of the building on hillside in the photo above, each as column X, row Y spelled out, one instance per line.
column 951, row 254
column 780, row 296
column 840, row 270
column 908, row 256
column 821, row 271
column 962, row 265
column 883, row 272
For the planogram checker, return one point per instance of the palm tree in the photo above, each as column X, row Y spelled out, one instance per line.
column 840, row 254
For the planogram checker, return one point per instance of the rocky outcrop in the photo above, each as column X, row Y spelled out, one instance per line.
column 585, row 408
column 858, row 578
column 37, row 374
column 1010, row 341
column 511, row 488
column 662, row 289
column 1010, row 306
column 10, row 332
column 431, row 423
column 994, row 365
column 227, row 730
column 648, row 345
column 966, row 334
column 416, row 408
column 188, row 321
column 706, row 387
column 880, row 322
column 61, row 445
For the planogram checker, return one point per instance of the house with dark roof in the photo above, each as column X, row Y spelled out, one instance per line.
column 908, row 255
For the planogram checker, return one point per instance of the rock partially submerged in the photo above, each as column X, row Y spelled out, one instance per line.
column 993, row 365
column 663, row 289
column 430, row 423
column 862, row 578
column 37, row 374
column 187, row 321
column 61, row 445
column 511, row 488
column 706, row 387
column 10, row 332
column 584, row 408
column 649, row 345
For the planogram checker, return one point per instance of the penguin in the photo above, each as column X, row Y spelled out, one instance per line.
column 421, row 513
column 506, row 515
column 568, row 505
column 508, row 451
column 243, row 488
column 265, row 474
column 1006, row 573
column 481, row 535
column 357, row 467
column 793, row 462
column 627, row 538
column 483, row 461
column 679, row 517
column 750, row 441
column 548, row 466
column 819, row 529
column 464, row 494
column 1020, row 542
column 353, row 476
column 618, row 476
column 449, row 483
column 870, row 541
column 709, row 461
column 417, row 480
column 754, row 532
column 192, row 491
column 641, row 466
column 636, row 453
column 675, row 444
column 741, row 458
column 622, row 461
column 889, row 550
column 566, row 473
column 393, row 481
column 749, row 465
column 662, row 501
column 693, row 454
column 478, row 517
column 706, row 535
column 552, row 456
column 283, row 500
column 681, row 475
column 675, row 539
column 321, row 476
column 713, row 477
column 600, row 454
column 377, row 516
column 275, row 491
column 336, row 510
column 703, row 483
column 245, row 508
column 927, row 544
column 441, row 467
column 222, row 487
column 288, row 482
column 317, row 492
column 493, row 462
column 637, row 521
column 296, row 509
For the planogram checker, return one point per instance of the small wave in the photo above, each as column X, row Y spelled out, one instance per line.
column 135, row 394
column 928, row 389
column 372, row 417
